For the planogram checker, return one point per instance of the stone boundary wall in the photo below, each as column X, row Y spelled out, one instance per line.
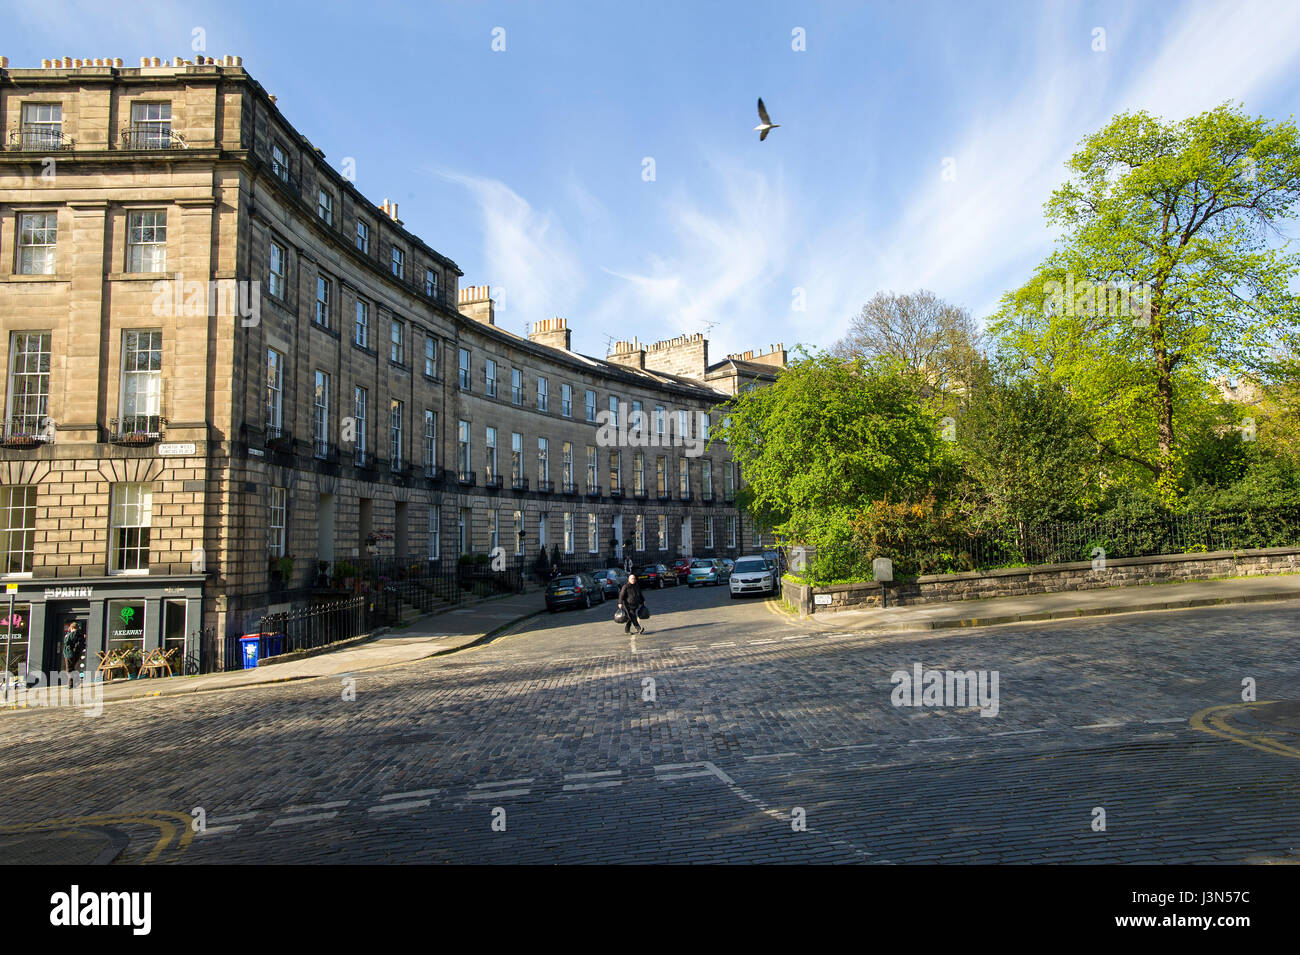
column 1046, row 578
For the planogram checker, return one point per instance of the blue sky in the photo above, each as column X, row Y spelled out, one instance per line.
column 526, row 165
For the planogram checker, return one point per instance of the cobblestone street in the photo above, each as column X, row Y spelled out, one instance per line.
column 554, row 729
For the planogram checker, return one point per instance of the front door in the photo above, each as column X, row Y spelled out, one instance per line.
column 57, row 616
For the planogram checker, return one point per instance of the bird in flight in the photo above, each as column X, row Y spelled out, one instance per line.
column 765, row 125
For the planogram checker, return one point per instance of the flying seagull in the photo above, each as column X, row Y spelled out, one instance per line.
column 765, row 125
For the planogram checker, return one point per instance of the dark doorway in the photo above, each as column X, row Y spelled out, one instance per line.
column 57, row 616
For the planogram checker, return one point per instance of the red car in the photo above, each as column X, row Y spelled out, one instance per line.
column 682, row 568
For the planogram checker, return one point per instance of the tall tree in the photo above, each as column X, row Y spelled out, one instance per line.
column 1165, row 275
column 931, row 338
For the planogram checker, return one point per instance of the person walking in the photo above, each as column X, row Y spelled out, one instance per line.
column 631, row 600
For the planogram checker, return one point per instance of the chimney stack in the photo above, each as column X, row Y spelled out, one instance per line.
column 475, row 302
column 551, row 332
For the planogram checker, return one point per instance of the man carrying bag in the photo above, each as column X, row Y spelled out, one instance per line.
column 630, row 603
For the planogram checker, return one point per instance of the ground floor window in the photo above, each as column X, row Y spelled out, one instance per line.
column 593, row 533
column 640, row 532
column 435, row 532
column 731, row 531
column 663, row 531
column 125, row 624
column 568, row 532
column 708, row 533
column 275, row 530
column 541, row 531
column 174, row 620
column 17, row 529
column 14, row 637
column 686, row 534
column 462, row 531
column 131, row 519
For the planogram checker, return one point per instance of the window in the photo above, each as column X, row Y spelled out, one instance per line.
column 661, row 475
column 435, row 532
column 324, row 292
column 593, row 533
column 462, row 446
column 615, row 471
column 591, row 468
column 519, row 533
column 659, row 420
column 431, row 356
column 516, row 457
column 729, row 481
column 613, row 411
column 638, row 472
column 396, row 449
column 42, row 126
column 640, row 532
column 274, row 392
column 37, row 237
column 704, row 425
column 566, row 464
column 490, row 377
column 516, row 386
column 541, row 531
column 320, row 421
column 464, row 369
column 662, row 529
column 463, row 519
column 543, row 460
column 430, row 441
column 399, row 262
column 17, row 529
column 362, row 333
column 131, row 518
column 490, row 454
column 325, row 207
column 431, row 283
column 397, row 341
column 29, row 383
column 360, row 405
column 686, row 534
column 731, row 530
column 275, row 283
column 275, row 529
column 279, row 162
column 637, row 418
column 683, row 425
column 568, row 532
column 542, row 397
column 684, row 475
column 591, row 405
column 706, row 479
column 363, row 237
column 141, row 402
column 151, row 126
column 708, row 533
column 566, row 400
column 146, row 241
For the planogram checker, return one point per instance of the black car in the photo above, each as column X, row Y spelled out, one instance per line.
column 655, row 575
column 573, row 590
column 611, row 580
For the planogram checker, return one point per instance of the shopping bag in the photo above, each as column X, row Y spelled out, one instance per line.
column 620, row 615
column 643, row 612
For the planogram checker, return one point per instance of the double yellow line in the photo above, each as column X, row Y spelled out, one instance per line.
column 1214, row 721
column 169, row 825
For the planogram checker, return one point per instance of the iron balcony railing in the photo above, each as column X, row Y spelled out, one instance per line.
column 519, row 484
column 39, row 137
column 492, row 480
column 136, row 429
column 569, row 488
column 147, row 136
column 592, row 490
column 616, row 492
column 640, row 493
column 21, row 431
column 465, row 478
column 545, row 487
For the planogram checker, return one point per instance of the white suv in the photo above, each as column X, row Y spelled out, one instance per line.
column 753, row 575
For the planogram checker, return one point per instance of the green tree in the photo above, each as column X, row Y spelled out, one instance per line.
column 1165, row 274
column 1027, row 445
column 830, row 436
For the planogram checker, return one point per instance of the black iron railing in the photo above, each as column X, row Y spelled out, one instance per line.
column 136, row 429
column 39, row 137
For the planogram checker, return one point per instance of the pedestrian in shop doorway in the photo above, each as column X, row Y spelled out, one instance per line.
column 74, row 645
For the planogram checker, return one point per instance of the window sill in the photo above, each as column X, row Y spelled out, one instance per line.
column 27, row 277
column 369, row 352
column 324, row 328
column 140, row 277
column 128, row 573
column 399, row 366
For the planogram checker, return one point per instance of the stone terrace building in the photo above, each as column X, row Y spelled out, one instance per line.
column 220, row 354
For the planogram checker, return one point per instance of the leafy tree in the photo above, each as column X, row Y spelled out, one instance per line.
column 1164, row 276
column 1026, row 444
column 829, row 436
column 932, row 338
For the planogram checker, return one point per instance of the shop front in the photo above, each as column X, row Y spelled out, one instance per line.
column 114, row 613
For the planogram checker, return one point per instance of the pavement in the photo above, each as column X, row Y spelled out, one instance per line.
column 426, row 636
column 995, row 611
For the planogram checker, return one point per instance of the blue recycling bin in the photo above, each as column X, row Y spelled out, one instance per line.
column 248, row 647
column 274, row 644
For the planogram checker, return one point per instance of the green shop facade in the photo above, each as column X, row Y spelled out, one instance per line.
column 115, row 613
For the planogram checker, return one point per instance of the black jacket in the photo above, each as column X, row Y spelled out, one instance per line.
column 630, row 596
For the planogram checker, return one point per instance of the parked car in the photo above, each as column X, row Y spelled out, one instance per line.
column 729, row 564
column 682, row 568
column 611, row 580
column 655, row 575
column 753, row 575
column 573, row 590
column 776, row 559
column 707, row 570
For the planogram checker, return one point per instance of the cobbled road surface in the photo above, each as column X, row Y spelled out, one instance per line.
column 727, row 733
